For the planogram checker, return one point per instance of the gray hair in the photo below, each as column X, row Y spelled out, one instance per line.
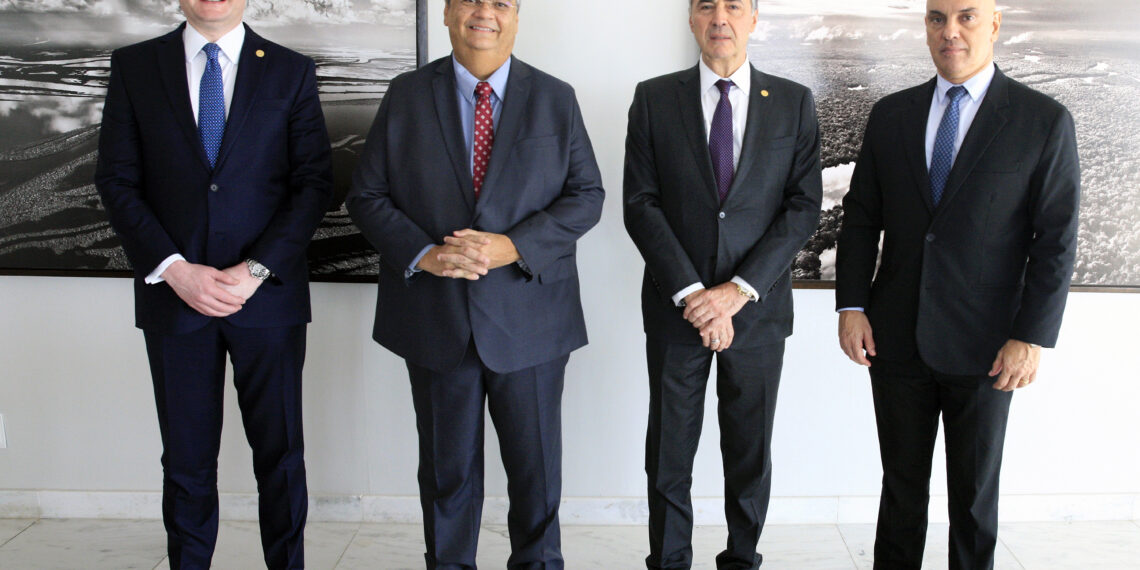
column 517, row 3
column 755, row 5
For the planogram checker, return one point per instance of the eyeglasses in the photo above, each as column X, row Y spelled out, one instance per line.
column 501, row 6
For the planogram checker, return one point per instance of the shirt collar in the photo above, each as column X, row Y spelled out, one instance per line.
column 742, row 77
column 976, row 86
column 466, row 82
column 230, row 43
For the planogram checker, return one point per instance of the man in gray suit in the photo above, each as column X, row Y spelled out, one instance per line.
column 476, row 181
column 722, row 189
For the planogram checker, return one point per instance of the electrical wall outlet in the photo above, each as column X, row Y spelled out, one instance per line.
column 3, row 440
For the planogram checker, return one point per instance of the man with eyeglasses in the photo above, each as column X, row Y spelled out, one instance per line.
column 475, row 183
column 971, row 182
column 722, row 189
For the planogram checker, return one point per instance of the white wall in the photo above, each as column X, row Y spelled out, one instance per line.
column 77, row 402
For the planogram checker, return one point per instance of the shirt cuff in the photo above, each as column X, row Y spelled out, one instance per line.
column 860, row 309
column 412, row 269
column 679, row 298
column 752, row 294
column 155, row 276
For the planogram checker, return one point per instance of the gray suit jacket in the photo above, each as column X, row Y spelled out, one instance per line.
column 543, row 189
column 674, row 215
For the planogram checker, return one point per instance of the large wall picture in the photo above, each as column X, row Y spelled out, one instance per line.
column 54, row 66
column 1085, row 54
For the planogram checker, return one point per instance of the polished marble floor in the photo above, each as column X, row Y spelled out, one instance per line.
column 49, row 544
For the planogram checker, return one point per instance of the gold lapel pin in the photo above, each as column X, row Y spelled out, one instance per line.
column 259, row 53
column 763, row 92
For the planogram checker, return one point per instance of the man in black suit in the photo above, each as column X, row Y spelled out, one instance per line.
column 476, row 182
column 214, row 167
column 722, row 189
column 973, row 182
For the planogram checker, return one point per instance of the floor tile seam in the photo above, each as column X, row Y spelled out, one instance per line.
column 850, row 553
column 348, row 545
column 22, row 531
column 1009, row 549
column 163, row 559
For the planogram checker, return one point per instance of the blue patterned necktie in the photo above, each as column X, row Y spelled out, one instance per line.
column 211, row 104
column 720, row 140
column 943, row 156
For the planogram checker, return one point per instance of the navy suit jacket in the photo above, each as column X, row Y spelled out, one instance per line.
column 676, row 219
column 543, row 189
column 993, row 261
column 263, row 199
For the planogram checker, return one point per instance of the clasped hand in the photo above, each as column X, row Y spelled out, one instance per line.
column 711, row 310
column 469, row 254
column 210, row 291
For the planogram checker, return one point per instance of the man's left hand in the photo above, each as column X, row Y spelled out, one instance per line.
column 497, row 247
column 1016, row 363
column 720, row 301
column 247, row 284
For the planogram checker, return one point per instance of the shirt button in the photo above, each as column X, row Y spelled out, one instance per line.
column 930, row 238
column 213, row 188
column 721, row 215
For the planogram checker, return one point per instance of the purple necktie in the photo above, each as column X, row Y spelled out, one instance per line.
column 720, row 140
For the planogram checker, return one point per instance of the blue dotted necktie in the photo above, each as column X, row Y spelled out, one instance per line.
column 720, row 140
column 211, row 104
column 943, row 156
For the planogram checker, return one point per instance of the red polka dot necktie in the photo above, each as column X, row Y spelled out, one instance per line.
column 484, row 134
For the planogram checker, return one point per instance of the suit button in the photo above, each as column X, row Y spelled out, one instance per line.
column 721, row 215
column 213, row 188
column 930, row 238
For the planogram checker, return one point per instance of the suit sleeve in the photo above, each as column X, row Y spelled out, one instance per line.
column 395, row 236
column 1055, row 188
column 858, row 243
column 551, row 233
column 118, row 178
column 645, row 220
column 310, row 163
column 770, row 258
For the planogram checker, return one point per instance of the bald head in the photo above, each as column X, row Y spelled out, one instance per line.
column 961, row 36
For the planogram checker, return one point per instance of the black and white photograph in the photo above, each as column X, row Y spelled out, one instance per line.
column 1085, row 54
column 54, row 67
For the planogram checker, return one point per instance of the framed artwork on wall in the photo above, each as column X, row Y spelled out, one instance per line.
column 54, row 67
column 1085, row 54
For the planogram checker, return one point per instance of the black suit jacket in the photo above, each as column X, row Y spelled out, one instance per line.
column 674, row 215
column 543, row 189
column 263, row 199
column 993, row 261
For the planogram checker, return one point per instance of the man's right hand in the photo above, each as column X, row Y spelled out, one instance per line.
column 457, row 262
column 198, row 286
column 855, row 336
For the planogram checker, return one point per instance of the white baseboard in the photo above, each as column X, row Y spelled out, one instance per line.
column 575, row 510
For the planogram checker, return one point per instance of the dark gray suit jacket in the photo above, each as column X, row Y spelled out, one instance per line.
column 993, row 261
column 543, row 189
column 674, row 215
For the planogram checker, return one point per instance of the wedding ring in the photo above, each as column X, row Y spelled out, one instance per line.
column 716, row 341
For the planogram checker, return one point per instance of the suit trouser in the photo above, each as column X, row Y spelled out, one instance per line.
column 747, row 383
column 526, row 408
column 908, row 401
column 189, row 381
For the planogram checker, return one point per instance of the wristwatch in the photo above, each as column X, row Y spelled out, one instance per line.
column 258, row 270
column 745, row 293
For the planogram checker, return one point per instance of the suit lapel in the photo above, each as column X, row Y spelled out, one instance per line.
column 988, row 122
column 447, row 113
column 510, row 123
column 172, row 69
column 249, row 72
column 758, row 109
column 693, row 120
column 914, row 141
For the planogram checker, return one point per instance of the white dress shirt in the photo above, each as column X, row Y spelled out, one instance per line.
column 710, row 98
column 976, row 88
column 228, row 56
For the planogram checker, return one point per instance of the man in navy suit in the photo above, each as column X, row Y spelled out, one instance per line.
column 214, row 167
column 722, row 189
column 476, row 182
column 972, row 182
